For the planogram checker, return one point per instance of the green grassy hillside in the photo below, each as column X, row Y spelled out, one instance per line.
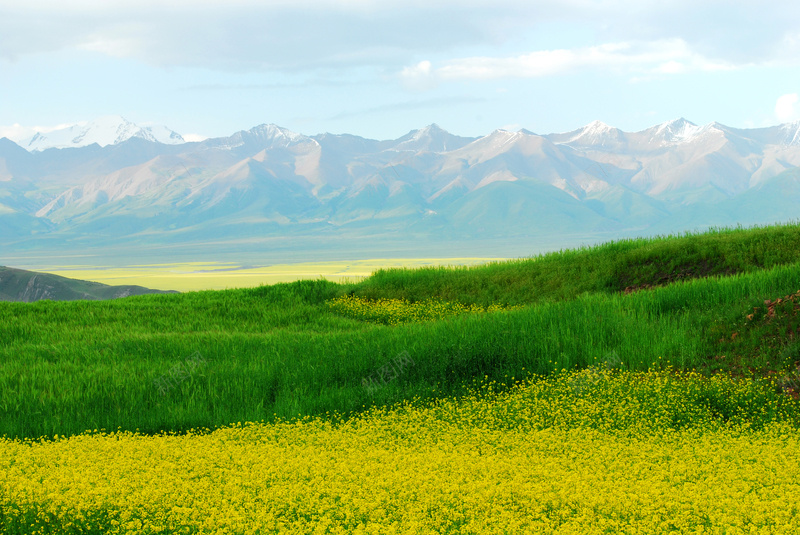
column 607, row 269
column 203, row 359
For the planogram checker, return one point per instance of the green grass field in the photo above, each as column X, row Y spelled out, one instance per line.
column 681, row 352
column 204, row 359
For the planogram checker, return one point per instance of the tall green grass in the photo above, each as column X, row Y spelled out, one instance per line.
column 66, row 367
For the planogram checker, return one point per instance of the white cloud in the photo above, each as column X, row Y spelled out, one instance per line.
column 423, row 68
column 786, row 109
column 671, row 67
column 194, row 137
column 300, row 34
column 669, row 56
column 242, row 35
column 15, row 132
column 418, row 76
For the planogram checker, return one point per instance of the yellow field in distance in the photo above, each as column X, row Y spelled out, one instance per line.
column 219, row 276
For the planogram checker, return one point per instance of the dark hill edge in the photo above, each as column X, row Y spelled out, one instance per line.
column 19, row 285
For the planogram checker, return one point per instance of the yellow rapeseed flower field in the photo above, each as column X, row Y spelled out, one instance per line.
column 567, row 454
column 400, row 311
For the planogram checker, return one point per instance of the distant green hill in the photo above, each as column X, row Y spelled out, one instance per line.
column 609, row 268
column 28, row 286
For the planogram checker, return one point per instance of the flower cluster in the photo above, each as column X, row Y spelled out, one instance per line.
column 399, row 311
column 634, row 453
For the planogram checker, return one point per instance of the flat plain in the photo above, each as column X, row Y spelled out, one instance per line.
column 194, row 276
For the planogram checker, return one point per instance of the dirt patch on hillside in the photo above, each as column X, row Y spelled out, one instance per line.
column 659, row 273
column 766, row 344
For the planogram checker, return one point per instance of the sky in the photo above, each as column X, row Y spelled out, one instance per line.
column 380, row 68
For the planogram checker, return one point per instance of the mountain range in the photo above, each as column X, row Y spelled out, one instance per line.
column 147, row 190
column 104, row 131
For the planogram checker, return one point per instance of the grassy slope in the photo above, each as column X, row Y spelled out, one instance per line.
column 607, row 268
column 70, row 366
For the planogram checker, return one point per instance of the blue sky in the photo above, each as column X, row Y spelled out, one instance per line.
column 378, row 69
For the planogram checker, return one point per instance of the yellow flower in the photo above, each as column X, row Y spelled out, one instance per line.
column 543, row 457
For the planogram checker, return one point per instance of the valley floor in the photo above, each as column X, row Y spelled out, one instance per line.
column 193, row 276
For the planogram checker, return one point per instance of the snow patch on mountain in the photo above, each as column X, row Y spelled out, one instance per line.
column 108, row 130
column 791, row 133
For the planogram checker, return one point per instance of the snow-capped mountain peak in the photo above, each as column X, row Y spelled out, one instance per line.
column 596, row 127
column 274, row 132
column 259, row 137
column 677, row 131
column 431, row 129
column 107, row 130
column 595, row 132
column 432, row 138
column 262, row 136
